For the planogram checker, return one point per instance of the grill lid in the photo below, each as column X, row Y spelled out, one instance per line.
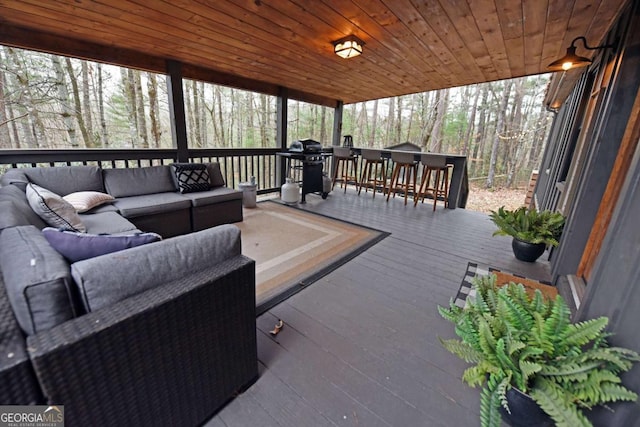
column 305, row 146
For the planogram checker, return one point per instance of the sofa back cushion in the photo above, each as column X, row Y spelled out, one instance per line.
column 37, row 278
column 110, row 278
column 138, row 181
column 16, row 210
column 61, row 180
column 215, row 174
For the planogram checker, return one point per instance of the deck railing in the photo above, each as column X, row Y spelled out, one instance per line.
column 236, row 164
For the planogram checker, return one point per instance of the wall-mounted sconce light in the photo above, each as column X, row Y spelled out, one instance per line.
column 571, row 60
column 348, row 47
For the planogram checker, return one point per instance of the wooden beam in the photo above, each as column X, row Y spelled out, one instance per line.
column 176, row 110
column 337, row 124
column 282, row 117
column 60, row 45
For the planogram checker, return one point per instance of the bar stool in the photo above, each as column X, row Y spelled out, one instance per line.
column 403, row 164
column 343, row 158
column 433, row 164
column 372, row 159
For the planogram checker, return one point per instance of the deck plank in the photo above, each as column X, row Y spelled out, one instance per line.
column 361, row 345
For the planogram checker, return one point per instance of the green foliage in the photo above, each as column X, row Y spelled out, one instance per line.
column 529, row 225
column 514, row 340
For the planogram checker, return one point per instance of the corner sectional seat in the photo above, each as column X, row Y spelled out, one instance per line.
column 158, row 334
column 147, row 197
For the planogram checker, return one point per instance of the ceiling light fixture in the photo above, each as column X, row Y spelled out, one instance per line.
column 571, row 60
column 348, row 47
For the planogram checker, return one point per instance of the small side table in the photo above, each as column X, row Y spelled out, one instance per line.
column 249, row 194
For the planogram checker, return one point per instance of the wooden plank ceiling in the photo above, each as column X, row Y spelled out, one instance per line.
column 411, row 46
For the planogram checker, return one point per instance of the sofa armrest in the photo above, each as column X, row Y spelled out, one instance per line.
column 171, row 355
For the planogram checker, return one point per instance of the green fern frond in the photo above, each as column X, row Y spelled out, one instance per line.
column 451, row 313
column 489, row 404
column 566, row 369
column 474, row 376
column 461, row 349
column 615, row 392
column 516, row 313
column 558, row 404
column 605, row 354
column 501, row 390
column 581, row 333
column 528, row 369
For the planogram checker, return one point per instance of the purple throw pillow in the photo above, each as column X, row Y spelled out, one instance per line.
column 78, row 246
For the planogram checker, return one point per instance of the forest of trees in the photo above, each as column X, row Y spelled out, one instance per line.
column 49, row 101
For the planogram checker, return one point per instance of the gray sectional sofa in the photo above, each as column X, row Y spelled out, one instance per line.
column 158, row 334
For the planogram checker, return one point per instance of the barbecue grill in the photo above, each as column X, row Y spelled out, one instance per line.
column 306, row 155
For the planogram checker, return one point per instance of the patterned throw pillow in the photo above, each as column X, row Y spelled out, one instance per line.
column 79, row 246
column 191, row 177
column 53, row 209
column 83, row 201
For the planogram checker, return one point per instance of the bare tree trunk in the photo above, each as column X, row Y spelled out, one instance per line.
column 191, row 104
column 141, row 116
column 154, row 109
column 411, row 109
column 77, row 103
column 323, row 125
column 428, row 121
column 442, row 96
column 33, row 128
column 478, row 148
column 9, row 120
column 129, row 93
column 390, row 122
column 104, row 136
column 398, row 119
column 67, row 112
column 264, row 114
column 516, row 139
column 86, row 103
column 499, row 128
column 471, row 122
column 374, row 124
column 5, row 122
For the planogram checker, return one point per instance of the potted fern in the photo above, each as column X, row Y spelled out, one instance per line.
column 532, row 230
column 526, row 349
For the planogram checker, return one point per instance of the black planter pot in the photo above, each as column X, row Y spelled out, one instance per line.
column 526, row 251
column 525, row 412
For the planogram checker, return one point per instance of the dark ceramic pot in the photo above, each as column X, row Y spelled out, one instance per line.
column 526, row 251
column 525, row 412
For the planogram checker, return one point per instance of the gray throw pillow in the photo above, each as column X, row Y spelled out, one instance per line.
column 78, row 246
column 191, row 177
column 53, row 209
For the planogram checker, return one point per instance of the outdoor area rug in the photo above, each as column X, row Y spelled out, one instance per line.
column 293, row 248
column 466, row 288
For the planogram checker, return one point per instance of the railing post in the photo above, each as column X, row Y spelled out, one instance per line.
column 176, row 110
column 282, row 113
column 337, row 131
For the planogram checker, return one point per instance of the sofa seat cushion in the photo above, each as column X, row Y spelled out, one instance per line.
column 150, row 204
column 138, row 181
column 61, row 180
column 107, row 223
column 213, row 196
column 37, row 278
column 110, row 278
column 78, row 246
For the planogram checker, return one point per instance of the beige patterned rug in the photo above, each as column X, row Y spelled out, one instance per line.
column 293, row 248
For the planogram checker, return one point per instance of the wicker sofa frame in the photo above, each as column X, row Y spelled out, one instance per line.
column 172, row 355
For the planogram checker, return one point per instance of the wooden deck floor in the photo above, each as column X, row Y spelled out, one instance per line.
column 360, row 347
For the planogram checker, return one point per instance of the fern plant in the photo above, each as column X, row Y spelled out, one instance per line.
column 514, row 340
column 529, row 225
